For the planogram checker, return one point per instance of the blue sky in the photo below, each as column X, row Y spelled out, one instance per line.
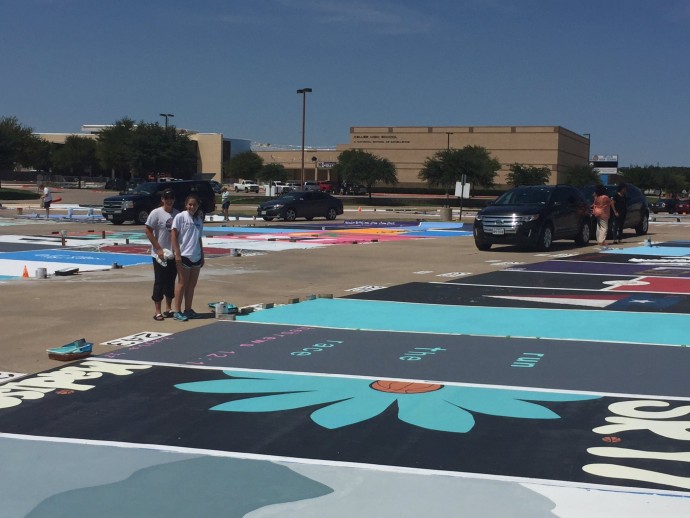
column 616, row 69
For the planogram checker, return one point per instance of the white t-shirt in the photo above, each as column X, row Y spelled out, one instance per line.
column 189, row 235
column 47, row 195
column 160, row 223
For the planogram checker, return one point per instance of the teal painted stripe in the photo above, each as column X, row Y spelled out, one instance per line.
column 590, row 325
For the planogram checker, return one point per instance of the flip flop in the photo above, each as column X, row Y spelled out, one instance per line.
column 168, row 314
column 158, row 317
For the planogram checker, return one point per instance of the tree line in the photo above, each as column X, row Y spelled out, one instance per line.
column 128, row 149
column 123, row 150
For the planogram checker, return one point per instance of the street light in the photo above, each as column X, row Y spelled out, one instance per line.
column 304, row 92
column 166, row 115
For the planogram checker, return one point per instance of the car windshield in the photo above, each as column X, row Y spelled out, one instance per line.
column 529, row 196
column 146, row 188
column 290, row 196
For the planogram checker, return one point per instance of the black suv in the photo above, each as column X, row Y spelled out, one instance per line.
column 137, row 204
column 637, row 216
column 534, row 215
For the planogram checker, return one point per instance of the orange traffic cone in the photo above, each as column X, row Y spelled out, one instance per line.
column 26, row 273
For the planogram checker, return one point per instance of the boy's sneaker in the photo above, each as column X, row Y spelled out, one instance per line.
column 190, row 313
column 181, row 317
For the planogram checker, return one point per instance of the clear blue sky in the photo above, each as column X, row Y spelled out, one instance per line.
column 616, row 69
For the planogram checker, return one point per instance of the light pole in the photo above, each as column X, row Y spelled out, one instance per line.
column 304, row 92
column 166, row 115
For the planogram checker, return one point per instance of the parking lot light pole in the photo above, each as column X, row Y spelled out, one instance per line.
column 166, row 115
column 303, row 92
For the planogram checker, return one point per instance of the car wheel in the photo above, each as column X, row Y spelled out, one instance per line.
column 290, row 215
column 237, row 189
column 331, row 214
column 545, row 239
column 142, row 216
column 582, row 237
column 483, row 246
column 266, row 218
column 642, row 228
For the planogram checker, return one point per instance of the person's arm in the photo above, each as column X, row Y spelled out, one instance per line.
column 176, row 245
column 154, row 242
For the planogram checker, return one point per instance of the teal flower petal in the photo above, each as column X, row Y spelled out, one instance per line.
column 353, row 410
column 280, row 402
column 434, row 413
column 508, row 403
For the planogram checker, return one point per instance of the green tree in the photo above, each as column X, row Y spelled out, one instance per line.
column 19, row 146
column 447, row 166
column 581, row 175
column 76, row 156
column 521, row 174
column 114, row 149
column 360, row 167
column 273, row 173
column 245, row 166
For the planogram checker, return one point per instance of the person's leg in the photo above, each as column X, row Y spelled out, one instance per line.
column 190, row 286
column 170, row 277
column 602, row 229
column 180, row 287
column 158, row 286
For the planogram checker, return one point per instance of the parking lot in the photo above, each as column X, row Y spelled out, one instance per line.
column 536, row 353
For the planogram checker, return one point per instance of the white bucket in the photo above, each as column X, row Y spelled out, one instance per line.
column 41, row 273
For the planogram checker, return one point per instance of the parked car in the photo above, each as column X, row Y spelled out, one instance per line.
column 137, row 204
column 534, row 215
column 311, row 186
column 664, row 205
column 683, row 206
column 326, row 186
column 291, row 186
column 301, row 204
column 637, row 216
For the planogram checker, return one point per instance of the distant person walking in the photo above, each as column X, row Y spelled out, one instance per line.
column 159, row 231
column 46, row 200
column 225, row 203
column 601, row 210
column 188, row 227
column 619, row 205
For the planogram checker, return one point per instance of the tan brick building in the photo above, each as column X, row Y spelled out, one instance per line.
column 408, row 147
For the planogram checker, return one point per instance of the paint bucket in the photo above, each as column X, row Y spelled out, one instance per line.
column 41, row 273
column 221, row 309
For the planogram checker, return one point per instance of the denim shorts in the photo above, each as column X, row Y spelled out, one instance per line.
column 188, row 263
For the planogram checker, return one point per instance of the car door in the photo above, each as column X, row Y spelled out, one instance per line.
column 565, row 211
column 635, row 201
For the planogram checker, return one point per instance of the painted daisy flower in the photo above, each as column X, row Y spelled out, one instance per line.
column 427, row 405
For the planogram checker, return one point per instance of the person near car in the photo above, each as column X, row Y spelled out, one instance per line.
column 619, row 207
column 159, row 232
column 46, row 200
column 187, row 231
column 601, row 210
column 225, row 203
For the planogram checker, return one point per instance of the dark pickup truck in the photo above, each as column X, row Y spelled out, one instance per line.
column 138, row 204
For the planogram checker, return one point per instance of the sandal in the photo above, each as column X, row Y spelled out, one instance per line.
column 168, row 314
column 158, row 317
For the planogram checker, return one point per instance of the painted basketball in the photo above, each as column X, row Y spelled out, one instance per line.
column 404, row 387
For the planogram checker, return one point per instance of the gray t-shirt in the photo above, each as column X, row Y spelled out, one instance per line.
column 160, row 223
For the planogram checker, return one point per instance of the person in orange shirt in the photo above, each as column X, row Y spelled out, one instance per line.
column 602, row 211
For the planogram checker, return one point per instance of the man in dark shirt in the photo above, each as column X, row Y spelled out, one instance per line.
column 620, row 210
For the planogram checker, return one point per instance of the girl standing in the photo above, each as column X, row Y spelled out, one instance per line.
column 225, row 200
column 159, row 231
column 187, row 231
column 601, row 210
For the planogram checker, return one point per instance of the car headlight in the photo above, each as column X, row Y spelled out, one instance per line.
column 478, row 217
column 527, row 218
column 128, row 204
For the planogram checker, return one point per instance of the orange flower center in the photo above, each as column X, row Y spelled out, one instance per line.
column 404, row 387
